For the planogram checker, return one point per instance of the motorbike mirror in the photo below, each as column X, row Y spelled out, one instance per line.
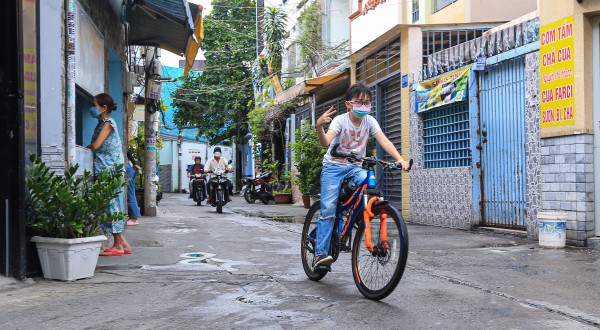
column 229, row 162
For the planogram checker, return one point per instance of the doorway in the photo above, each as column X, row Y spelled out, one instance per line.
column 11, row 101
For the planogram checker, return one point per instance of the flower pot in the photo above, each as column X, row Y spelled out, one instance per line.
column 68, row 259
column 283, row 198
column 306, row 201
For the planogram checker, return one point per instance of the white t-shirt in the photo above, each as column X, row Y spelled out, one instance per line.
column 350, row 137
column 212, row 164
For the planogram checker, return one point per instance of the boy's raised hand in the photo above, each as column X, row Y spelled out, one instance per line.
column 326, row 117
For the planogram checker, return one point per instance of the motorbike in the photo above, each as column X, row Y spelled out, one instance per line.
column 219, row 189
column 200, row 193
column 258, row 188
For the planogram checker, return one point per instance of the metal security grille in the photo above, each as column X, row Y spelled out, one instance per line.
column 391, row 123
column 380, row 64
column 446, row 137
column 337, row 103
column 436, row 41
column 503, row 162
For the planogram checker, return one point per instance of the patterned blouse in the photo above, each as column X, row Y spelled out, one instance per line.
column 110, row 153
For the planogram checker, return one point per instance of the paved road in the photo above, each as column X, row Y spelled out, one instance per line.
column 192, row 268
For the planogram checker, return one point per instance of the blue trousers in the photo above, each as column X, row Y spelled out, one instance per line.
column 331, row 180
column 132, row 205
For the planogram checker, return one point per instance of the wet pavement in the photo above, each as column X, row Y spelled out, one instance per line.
column 193, row 268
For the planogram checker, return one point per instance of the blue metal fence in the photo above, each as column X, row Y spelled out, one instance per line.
column 446, row 136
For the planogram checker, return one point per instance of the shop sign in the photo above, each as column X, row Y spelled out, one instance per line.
column 557, row 69
column 448, row 88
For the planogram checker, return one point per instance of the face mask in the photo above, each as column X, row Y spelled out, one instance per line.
column 217, row 154
column 361, row 111
column 95, row 112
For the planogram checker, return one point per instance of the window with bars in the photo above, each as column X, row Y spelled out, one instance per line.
column 446, row 136
column 382, row 63
column 415, row 11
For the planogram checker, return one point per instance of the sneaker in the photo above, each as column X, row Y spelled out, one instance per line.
column 323, row 261
column 345, row 247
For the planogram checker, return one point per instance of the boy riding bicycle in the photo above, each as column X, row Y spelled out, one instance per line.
column 351, row 130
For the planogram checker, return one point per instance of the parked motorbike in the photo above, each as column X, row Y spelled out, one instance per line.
column 258, row 188
column 200, row 193
column 219, row 189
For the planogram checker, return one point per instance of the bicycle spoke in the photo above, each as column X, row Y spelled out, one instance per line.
column 377, row 268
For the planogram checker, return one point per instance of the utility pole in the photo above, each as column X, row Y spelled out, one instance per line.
column 150, row 132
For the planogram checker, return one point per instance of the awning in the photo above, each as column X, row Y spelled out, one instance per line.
column 290, row 93
column 193, row 46
column 167, row 24
column 315, row 83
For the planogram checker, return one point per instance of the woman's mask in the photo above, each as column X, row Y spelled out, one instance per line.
column 217, row 154
column 95, row 112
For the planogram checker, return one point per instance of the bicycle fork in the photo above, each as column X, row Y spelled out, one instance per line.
column 367, row 216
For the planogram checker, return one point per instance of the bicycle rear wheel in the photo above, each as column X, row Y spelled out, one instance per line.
column 377, row 273
column 307, row 244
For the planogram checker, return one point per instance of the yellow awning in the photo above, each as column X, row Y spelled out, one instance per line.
column 314, row 83
column 193, row 46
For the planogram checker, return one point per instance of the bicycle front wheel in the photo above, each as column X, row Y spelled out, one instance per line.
column 308, row 242
column 378, row 272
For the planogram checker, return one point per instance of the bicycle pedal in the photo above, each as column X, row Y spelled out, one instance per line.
column 322, row 269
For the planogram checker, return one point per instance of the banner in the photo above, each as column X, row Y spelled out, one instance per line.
column 448, row 88
column 557, row 73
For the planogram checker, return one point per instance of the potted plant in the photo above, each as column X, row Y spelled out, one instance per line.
column 282, row 191
column 67, row 212
column 308, row 156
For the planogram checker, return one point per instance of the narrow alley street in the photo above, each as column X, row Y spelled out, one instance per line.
column 192, row 268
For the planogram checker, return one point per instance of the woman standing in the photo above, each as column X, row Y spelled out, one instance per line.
column 108, row 153
column 131, row 170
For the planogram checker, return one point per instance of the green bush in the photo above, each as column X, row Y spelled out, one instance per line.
column 71, row 206
column 309, row 160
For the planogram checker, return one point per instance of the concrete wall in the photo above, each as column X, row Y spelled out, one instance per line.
column 52, row 83
column 555, row 10
column 568, row 183
column 52, row 31
column 533, row 142
column 335, row 22
column 364, row 30
column 454, row 13
column 478, row 11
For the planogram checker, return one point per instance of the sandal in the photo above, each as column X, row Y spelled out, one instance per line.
column 132, row 222
column 110, row 252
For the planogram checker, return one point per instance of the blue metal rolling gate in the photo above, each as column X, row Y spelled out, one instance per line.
column 502, row 127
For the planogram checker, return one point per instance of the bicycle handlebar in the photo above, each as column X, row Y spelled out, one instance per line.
column 353, row 157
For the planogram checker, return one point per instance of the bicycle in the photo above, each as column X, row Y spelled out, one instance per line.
column 379, row 247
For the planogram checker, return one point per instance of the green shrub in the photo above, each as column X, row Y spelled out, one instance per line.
column 71, row 206
column 308, row 159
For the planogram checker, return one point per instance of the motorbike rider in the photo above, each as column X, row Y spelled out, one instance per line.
column 218, row 162
column 196, row 168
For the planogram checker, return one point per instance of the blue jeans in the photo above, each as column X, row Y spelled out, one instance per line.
column 132, row 205
column 331, row 180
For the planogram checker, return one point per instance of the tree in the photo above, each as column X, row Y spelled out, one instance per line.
column 274, row 32
column 218, row 100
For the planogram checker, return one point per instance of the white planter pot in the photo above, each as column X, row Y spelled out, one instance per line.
column 68, row 259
